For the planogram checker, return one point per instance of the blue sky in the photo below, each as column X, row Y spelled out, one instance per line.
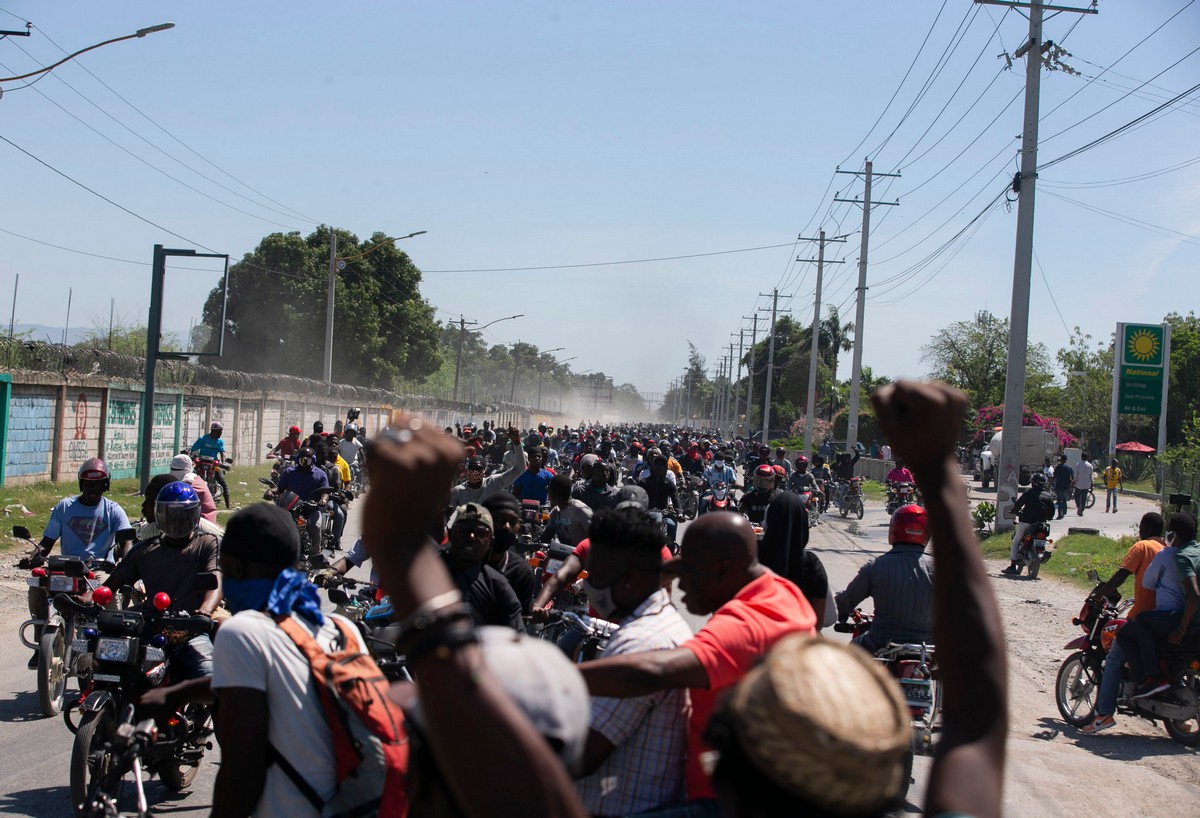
column 533, row 134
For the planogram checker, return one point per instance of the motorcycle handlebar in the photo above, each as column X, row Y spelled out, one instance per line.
column 844, row 627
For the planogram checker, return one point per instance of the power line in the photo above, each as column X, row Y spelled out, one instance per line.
column 1122, row 181
column 1049, row 290
column 1135, row 46
column 1155, row 228
column 613, row 263
column 1118, row 131
column 148, row 118
column 895, row 93
column 175, row 179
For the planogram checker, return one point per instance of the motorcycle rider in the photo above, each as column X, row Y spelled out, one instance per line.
column 305, row 479
column 569, row 517
column 754, row 502
column 1136, row 561
column 532, row 483
column 901, row 583
column 506, row 521
column 719, row 471
column 485, row 590
column 624, row 585
column 1177, row 597
column 479, row 487
column 87, row 524
column 843, row 470
column 821, row 477
column 350, row 448
column 211, row 445
column 170, row 564
column 181, row 469
column 1036, row 505
column 897, row 474
column 720, row 493
column 660, row 488
column 782, row 461
column 598, row 492
column 288, row 447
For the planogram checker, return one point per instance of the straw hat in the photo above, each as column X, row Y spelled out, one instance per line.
column 826, row 722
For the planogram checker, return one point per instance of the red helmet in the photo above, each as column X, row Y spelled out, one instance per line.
column 94, row 469
column 910, row 524
column 635, row 446
column 764, row 477
column 294, row 431
column 779, row 471
column 801, row 459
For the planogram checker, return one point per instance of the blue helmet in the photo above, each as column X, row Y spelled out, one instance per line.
column 177, row 510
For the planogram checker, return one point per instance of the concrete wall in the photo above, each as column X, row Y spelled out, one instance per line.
column 51, row 425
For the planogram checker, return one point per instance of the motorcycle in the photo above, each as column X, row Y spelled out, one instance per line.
column 914, row 667
column 313, row 541
column 129, row 746
column 689, row 496
column 128, row 657
column 901, row 494
column 596, row 633
column 60, row 656
column 208, row 468
column 719, row 499
column 1078, row 683
column 852, row 498
column 813, row 506
column 1032, row 551
column 570, row 599
column 380, row 632
column 534, row 517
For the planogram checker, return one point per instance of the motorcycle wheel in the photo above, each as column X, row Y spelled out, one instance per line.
column 845, row 509
column 858, row 508
column 1033, row 565
column 1075, row 691
column 96, row 730
column 1184, row 731
column 52, row 671
column 985, row 480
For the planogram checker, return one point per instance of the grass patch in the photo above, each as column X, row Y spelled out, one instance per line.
column 1147, row 485
column 40, row 498
column 874, row 490
column 1074, row 555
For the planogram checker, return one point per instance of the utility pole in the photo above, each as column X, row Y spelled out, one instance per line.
column 736, row 425
column 328, row 368
column 814, row 339
column 462, row 334
column 750, row 376
column 766, row 419
column 512, row 393
column 1008, row 474
column 856, row 369
column 730, row 394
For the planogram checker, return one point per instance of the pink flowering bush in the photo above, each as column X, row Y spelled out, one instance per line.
column 821, row 429
column 989, row 417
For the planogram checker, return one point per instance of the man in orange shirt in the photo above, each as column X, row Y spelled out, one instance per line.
column 1137, row 560
column 752, row 607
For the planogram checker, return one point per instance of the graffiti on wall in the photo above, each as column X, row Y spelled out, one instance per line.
column 121, row 443
column 162, row 438
column 77, row 449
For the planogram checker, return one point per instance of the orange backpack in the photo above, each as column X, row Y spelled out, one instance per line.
column 370, row 746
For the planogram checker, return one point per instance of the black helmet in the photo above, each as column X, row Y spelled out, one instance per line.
column 307, row 456
column 1038, row 481
column 353, row 414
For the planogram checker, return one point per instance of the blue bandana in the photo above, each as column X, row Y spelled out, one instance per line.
column 293, row 592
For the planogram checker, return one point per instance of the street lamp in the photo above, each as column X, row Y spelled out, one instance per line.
column 542, row 371
column 462, row 323
column 141, row 32
column 336, row 264
column 512, row 392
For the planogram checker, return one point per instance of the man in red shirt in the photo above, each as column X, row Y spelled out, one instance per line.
column 752, row 608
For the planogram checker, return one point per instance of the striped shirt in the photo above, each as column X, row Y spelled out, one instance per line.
column 901, row 583
column 646, row 770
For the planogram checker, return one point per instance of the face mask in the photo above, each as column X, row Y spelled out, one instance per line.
column 246, row 594
column 1171, row 539
column 504, row 538
column 601, row 599
column 718, row 464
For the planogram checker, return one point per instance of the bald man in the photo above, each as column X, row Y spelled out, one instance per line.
column 752, row 607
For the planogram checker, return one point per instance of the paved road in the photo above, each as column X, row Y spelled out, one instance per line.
column 1049, row 768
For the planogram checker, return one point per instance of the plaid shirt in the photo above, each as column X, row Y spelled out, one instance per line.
column 646, row 770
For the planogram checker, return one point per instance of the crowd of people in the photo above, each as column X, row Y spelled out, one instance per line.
column 754, row 714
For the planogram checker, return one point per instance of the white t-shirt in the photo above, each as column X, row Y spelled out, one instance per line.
column 251, row 651
column 349, row 450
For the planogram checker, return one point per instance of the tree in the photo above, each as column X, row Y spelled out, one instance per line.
column 973, row 356
column 275, row 321
column 126, row 337
column 1183, row 389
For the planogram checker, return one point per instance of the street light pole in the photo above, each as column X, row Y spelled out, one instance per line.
column 542, row 371
column 462, row 322
column 334, row 262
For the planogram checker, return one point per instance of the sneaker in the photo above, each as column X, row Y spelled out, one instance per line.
column 1099, row 723
column 1150, row 687
column 1011, row 570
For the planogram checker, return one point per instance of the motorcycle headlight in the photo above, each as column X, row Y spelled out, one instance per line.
column 117, row 651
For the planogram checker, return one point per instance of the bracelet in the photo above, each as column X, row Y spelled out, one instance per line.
column 457, row 630
column 419, row 619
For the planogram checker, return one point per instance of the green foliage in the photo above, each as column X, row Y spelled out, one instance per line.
column 973, row 356
column 1183, row 389
column 127, row 337
column 984, row 516
column 383, row 329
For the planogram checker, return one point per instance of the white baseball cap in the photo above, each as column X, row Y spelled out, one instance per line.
column 181, row 464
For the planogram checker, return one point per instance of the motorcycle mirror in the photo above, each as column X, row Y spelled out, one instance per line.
column 338, row 597
column 206, row 581
column 74, row 568
column 21, row 532
column 266, row 482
